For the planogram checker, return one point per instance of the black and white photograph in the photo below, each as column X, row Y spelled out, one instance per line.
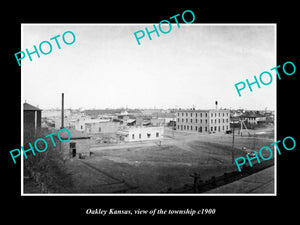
column 178, row 113
column 149, row 111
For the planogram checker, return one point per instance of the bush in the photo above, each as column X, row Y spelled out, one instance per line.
column 47, row 168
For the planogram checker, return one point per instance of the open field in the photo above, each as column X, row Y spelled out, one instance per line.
column 146, row 167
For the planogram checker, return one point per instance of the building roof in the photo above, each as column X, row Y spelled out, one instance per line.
column 75, row 134
column 130, row 120
column 92, row 121
column 28, row 107
column 203, row 110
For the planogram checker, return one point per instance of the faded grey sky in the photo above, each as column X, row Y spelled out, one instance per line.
column 192, row 65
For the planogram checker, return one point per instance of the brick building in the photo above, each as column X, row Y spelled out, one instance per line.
column 203, row 121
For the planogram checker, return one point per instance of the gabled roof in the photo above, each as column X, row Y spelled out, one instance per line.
column 28, row 107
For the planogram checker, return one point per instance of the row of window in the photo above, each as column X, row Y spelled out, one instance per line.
column 148, row 135
column 200, row 121
column 196, row 114
column 199, row 129
column 206, row 114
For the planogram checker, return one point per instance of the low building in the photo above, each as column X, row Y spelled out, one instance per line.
column 78, row 145
column 203, row 121
column 157, row 121
column 131, row 134
column 254, row 118
column 103, row 126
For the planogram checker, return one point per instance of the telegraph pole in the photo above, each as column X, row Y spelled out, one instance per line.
column 232, row 149
column 62, row 110
column 62, row 116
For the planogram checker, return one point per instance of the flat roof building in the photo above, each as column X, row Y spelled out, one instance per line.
column 131, row 134
column 203, row 121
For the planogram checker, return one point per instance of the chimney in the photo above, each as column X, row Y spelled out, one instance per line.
column 216, row 105
column 62, row 110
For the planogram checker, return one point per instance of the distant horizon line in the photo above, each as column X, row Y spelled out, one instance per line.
column 221, row 108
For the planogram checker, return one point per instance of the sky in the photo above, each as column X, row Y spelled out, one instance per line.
column 191, row 66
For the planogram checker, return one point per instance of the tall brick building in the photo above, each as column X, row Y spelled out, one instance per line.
column 203, row 121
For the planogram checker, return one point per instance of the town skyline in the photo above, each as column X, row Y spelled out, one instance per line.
column 153, row 108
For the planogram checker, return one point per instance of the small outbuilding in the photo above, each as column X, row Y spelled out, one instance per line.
column 78, row 146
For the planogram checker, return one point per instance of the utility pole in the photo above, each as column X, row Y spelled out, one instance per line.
column 62, row 116
column 232, row 149
column 62, row 110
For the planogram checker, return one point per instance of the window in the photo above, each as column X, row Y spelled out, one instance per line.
column 223, row 120
column 212, row 121
column 205, row 114
column 99, row 129
column 196, row 114
column 148, row 135
column 211, row 128
column 182, row 120
column 222, row 127
column 196, row 120
column 186, row 114
column 200, row 114
column 226, row 127
column 132, row 136
column 81, row 127
column 187, row 120
column 201, row 121
column 157, row 134
column 215, row 120
column 219, row 121
column 219, row 128
column 196, row 128
column 191, row 114
column 187, row 127
column 181, row 127
column 200, row 129
column 178, row 114
column 215, row 128
column 215, row 114
column 184, row 127
column 178, row 120
column 72, row 145
column 191, row 127
column 205, row 129
column 140, row 135
column 182, row 114
column 227, row 120
column 219, row 114
column 206, row 121
column 191, row 120
column 212, row 115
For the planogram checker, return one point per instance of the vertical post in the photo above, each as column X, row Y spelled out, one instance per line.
column 241, row 131
column 174, row 121
column 232, row 153
column 62, row 110
column 62, row 117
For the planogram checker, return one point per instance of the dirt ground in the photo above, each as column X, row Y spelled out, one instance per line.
column 146, row 167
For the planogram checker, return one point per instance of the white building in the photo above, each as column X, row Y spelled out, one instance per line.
column 131, row 134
